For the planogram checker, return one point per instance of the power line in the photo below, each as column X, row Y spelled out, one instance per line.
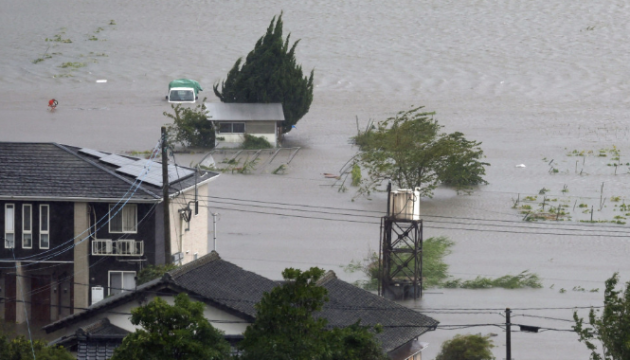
column 382, row 213
column 427, row 224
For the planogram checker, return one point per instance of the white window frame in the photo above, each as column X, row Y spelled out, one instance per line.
column 41, row 230
column 122, row 277
column 26, row 231
column 232, row 123
column 9, row 230
column 120, row 212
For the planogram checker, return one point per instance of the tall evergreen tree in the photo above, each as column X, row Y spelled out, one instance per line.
column 270, row 74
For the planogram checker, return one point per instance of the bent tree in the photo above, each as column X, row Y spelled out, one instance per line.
column 410, row 150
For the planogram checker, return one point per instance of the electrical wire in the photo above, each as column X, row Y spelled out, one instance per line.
column 426, row 223
column 383, row 213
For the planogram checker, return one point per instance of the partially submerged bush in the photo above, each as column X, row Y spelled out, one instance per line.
column 255, row 142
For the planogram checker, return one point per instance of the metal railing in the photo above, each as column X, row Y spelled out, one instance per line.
column 103, row 247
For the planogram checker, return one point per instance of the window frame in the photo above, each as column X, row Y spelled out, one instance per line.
column 6, row 227
column 122, row 278
column 30, row 222
column 42, row 231
column 231, row 127
column 120, row 213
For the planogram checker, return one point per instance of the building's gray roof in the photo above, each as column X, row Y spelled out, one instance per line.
column 59, row 172
column 236, row 290
column 96, row 341
column 244, row 112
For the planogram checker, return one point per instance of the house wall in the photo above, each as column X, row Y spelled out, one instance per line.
column 54, row 264
column 61, row 231
column 101, row 265
column 251, row 128
column 120, row 316
column 195, row 239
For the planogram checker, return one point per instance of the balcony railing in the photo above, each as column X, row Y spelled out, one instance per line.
column 125, row 247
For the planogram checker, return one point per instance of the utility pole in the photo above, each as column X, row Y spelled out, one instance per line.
column 214, row 228
column 167, row 214
column 508, row 335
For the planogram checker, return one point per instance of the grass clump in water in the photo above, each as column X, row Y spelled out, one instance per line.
column 72, row 65
column 522, row 280
column 435, row 271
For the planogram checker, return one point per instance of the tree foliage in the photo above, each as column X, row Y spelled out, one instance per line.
column 611, row 328
column 285, row 328
column 410, row 150
column 21, row 348
column 190, row 127
column 153, row 272
column 466, row 347
column 172, row 332
column 270, row 74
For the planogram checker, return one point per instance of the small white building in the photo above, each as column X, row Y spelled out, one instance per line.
column 233, row 120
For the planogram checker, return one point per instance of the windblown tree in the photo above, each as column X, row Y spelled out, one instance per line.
column 270, row 74
column 410, row 151
column 22, row 348
column 286, row 328
column 172, row 332
column 467, row 347
column 611, row 328
column 190, row 127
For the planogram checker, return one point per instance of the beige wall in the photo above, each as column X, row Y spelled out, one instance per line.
column 195, row 240
column 118, row 316
column 238, row 138
column 81, row 251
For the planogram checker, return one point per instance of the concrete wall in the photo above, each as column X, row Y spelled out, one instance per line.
column 195, row 239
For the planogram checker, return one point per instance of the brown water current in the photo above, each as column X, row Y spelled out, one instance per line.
column 533, row 80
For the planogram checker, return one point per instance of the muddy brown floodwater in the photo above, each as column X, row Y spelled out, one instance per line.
column 533, row 80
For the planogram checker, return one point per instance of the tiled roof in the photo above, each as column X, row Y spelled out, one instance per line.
column 237, row 290
column 97, row 349
column 53, row 171
column 224, row 283
column 347, row 304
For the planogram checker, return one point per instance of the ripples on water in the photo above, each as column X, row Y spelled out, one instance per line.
column 531, row 79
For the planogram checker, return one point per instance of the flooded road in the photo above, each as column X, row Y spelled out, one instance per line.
column 533, row 81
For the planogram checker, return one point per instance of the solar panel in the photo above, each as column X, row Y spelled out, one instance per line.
column 91, row 152
column 151, row 172
column 117, row 160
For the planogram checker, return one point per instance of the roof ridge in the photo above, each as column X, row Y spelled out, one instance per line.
column 328, row 276
column 212, row 256
column 100, row 167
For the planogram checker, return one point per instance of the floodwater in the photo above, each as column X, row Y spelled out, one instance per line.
column 533, row 80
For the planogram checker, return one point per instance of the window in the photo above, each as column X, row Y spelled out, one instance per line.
column 44, row 229
column 121, row 281
column 27, row 226
column 123, row 220
column 9, row 226
column 227, row 127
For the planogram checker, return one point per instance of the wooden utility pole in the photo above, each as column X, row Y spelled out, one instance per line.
column 168, row 257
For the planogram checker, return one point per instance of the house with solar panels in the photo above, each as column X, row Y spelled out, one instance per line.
column 233, row 120
column 77, row 224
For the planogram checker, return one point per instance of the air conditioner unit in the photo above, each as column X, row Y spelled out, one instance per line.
column 404, row 204
column 98, row 294
column 108, row 246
